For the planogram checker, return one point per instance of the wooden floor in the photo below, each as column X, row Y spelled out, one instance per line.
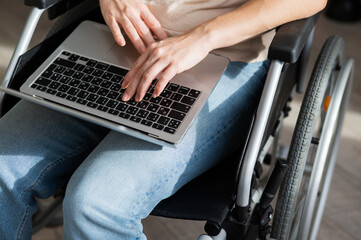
column 342, row 218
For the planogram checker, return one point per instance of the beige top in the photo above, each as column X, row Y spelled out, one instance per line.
column 180, row 16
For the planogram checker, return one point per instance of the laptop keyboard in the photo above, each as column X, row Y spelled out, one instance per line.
column 97, row 85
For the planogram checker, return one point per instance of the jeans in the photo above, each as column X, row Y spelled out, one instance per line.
column 113, row 181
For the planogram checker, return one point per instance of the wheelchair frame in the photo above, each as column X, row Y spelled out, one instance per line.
column 247, row 198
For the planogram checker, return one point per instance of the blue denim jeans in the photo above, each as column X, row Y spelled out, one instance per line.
column 113, row 180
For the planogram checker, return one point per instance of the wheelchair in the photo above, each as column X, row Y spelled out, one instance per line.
column 234, row 198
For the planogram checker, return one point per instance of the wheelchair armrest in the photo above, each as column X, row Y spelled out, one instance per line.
column 55, row 7
column 41, row 4
column 290, row 39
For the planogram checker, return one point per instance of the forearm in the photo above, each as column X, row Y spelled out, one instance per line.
column 253, row 18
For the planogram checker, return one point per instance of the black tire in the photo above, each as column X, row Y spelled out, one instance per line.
column 321, row 83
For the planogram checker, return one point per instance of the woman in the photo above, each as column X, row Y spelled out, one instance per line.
column 116, row 180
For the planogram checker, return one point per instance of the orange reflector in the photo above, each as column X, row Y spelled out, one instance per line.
column 327, row 102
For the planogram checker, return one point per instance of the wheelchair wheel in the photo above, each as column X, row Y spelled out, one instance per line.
column 314, row 145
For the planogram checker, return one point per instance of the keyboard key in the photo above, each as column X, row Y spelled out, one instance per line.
column 87, row 78
column 73, row 91
column 102, row 66
column 183, row 90
column 64, row 79
column 166, row 102
column 79, row 67
column 163, row 120
column 91, row 63
column 142, row 104
column 51, row 91
column 92, row 105
column 174, row 124
column 132, row 102
column 41, row 88
column 59, row 69
column 153, row 107
column 61, row 94
column 69, row 72
column 176, row 97
column 117, row 70
column 74, row 83
column 112, row 103
column 102, row 100
column 97, row 81
column 106, row 84
column 156, row 100
column 103, row 92
column 34, row 85
column 173, row 87
column 102, row 108
column 147, row 97
column 153, row 117
column 177, row 115
column 135, row 119
column 180, row 107
column 92, row 97
column 49, row 71
column 157, row 126
column 107, row 76
column 88, row 70
column 116, row 79
column 42, row 81
column 74, row 57
column 78, row 75
column 55, row 77
column 169, row 130
column 63, row 88
column 54, row 85
column 116, row 87
column 71, row 98
column 64, row 62
column 146, row 122
column 124, row 115
column 84, row 59
column 113, row 112
column 163, row 111
column 166, row 94
column 93, row 88
column 97, row 73
column 122, row 107
column 142, row 113
column 132, row 110
column 65, row 53
column 82, row 94
column 82, row 101
column 83, row 85
column 112, row 95
column 188, row 100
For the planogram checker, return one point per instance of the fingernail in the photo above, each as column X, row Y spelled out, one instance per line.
column 125, row 97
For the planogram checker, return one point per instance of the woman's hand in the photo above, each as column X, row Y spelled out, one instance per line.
column 163, row 60
column 135, row 18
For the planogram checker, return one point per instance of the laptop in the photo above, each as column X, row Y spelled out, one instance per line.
column 83, row 78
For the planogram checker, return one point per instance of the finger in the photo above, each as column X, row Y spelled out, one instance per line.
column 143, row 31
column 147, row 78
column 117, row 34
column 133, row 34
column 153, row 24
column 135, row 69
column 136, row 78
column 166, row 76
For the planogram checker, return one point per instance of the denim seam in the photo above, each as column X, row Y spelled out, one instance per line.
column 41, row 177
column 156, row 187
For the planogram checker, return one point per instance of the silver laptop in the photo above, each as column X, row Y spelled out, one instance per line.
column 83, row 77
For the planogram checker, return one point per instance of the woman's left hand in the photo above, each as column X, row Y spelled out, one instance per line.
column 163, row 60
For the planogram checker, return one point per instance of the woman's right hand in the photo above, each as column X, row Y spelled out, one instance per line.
column 135, row 18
